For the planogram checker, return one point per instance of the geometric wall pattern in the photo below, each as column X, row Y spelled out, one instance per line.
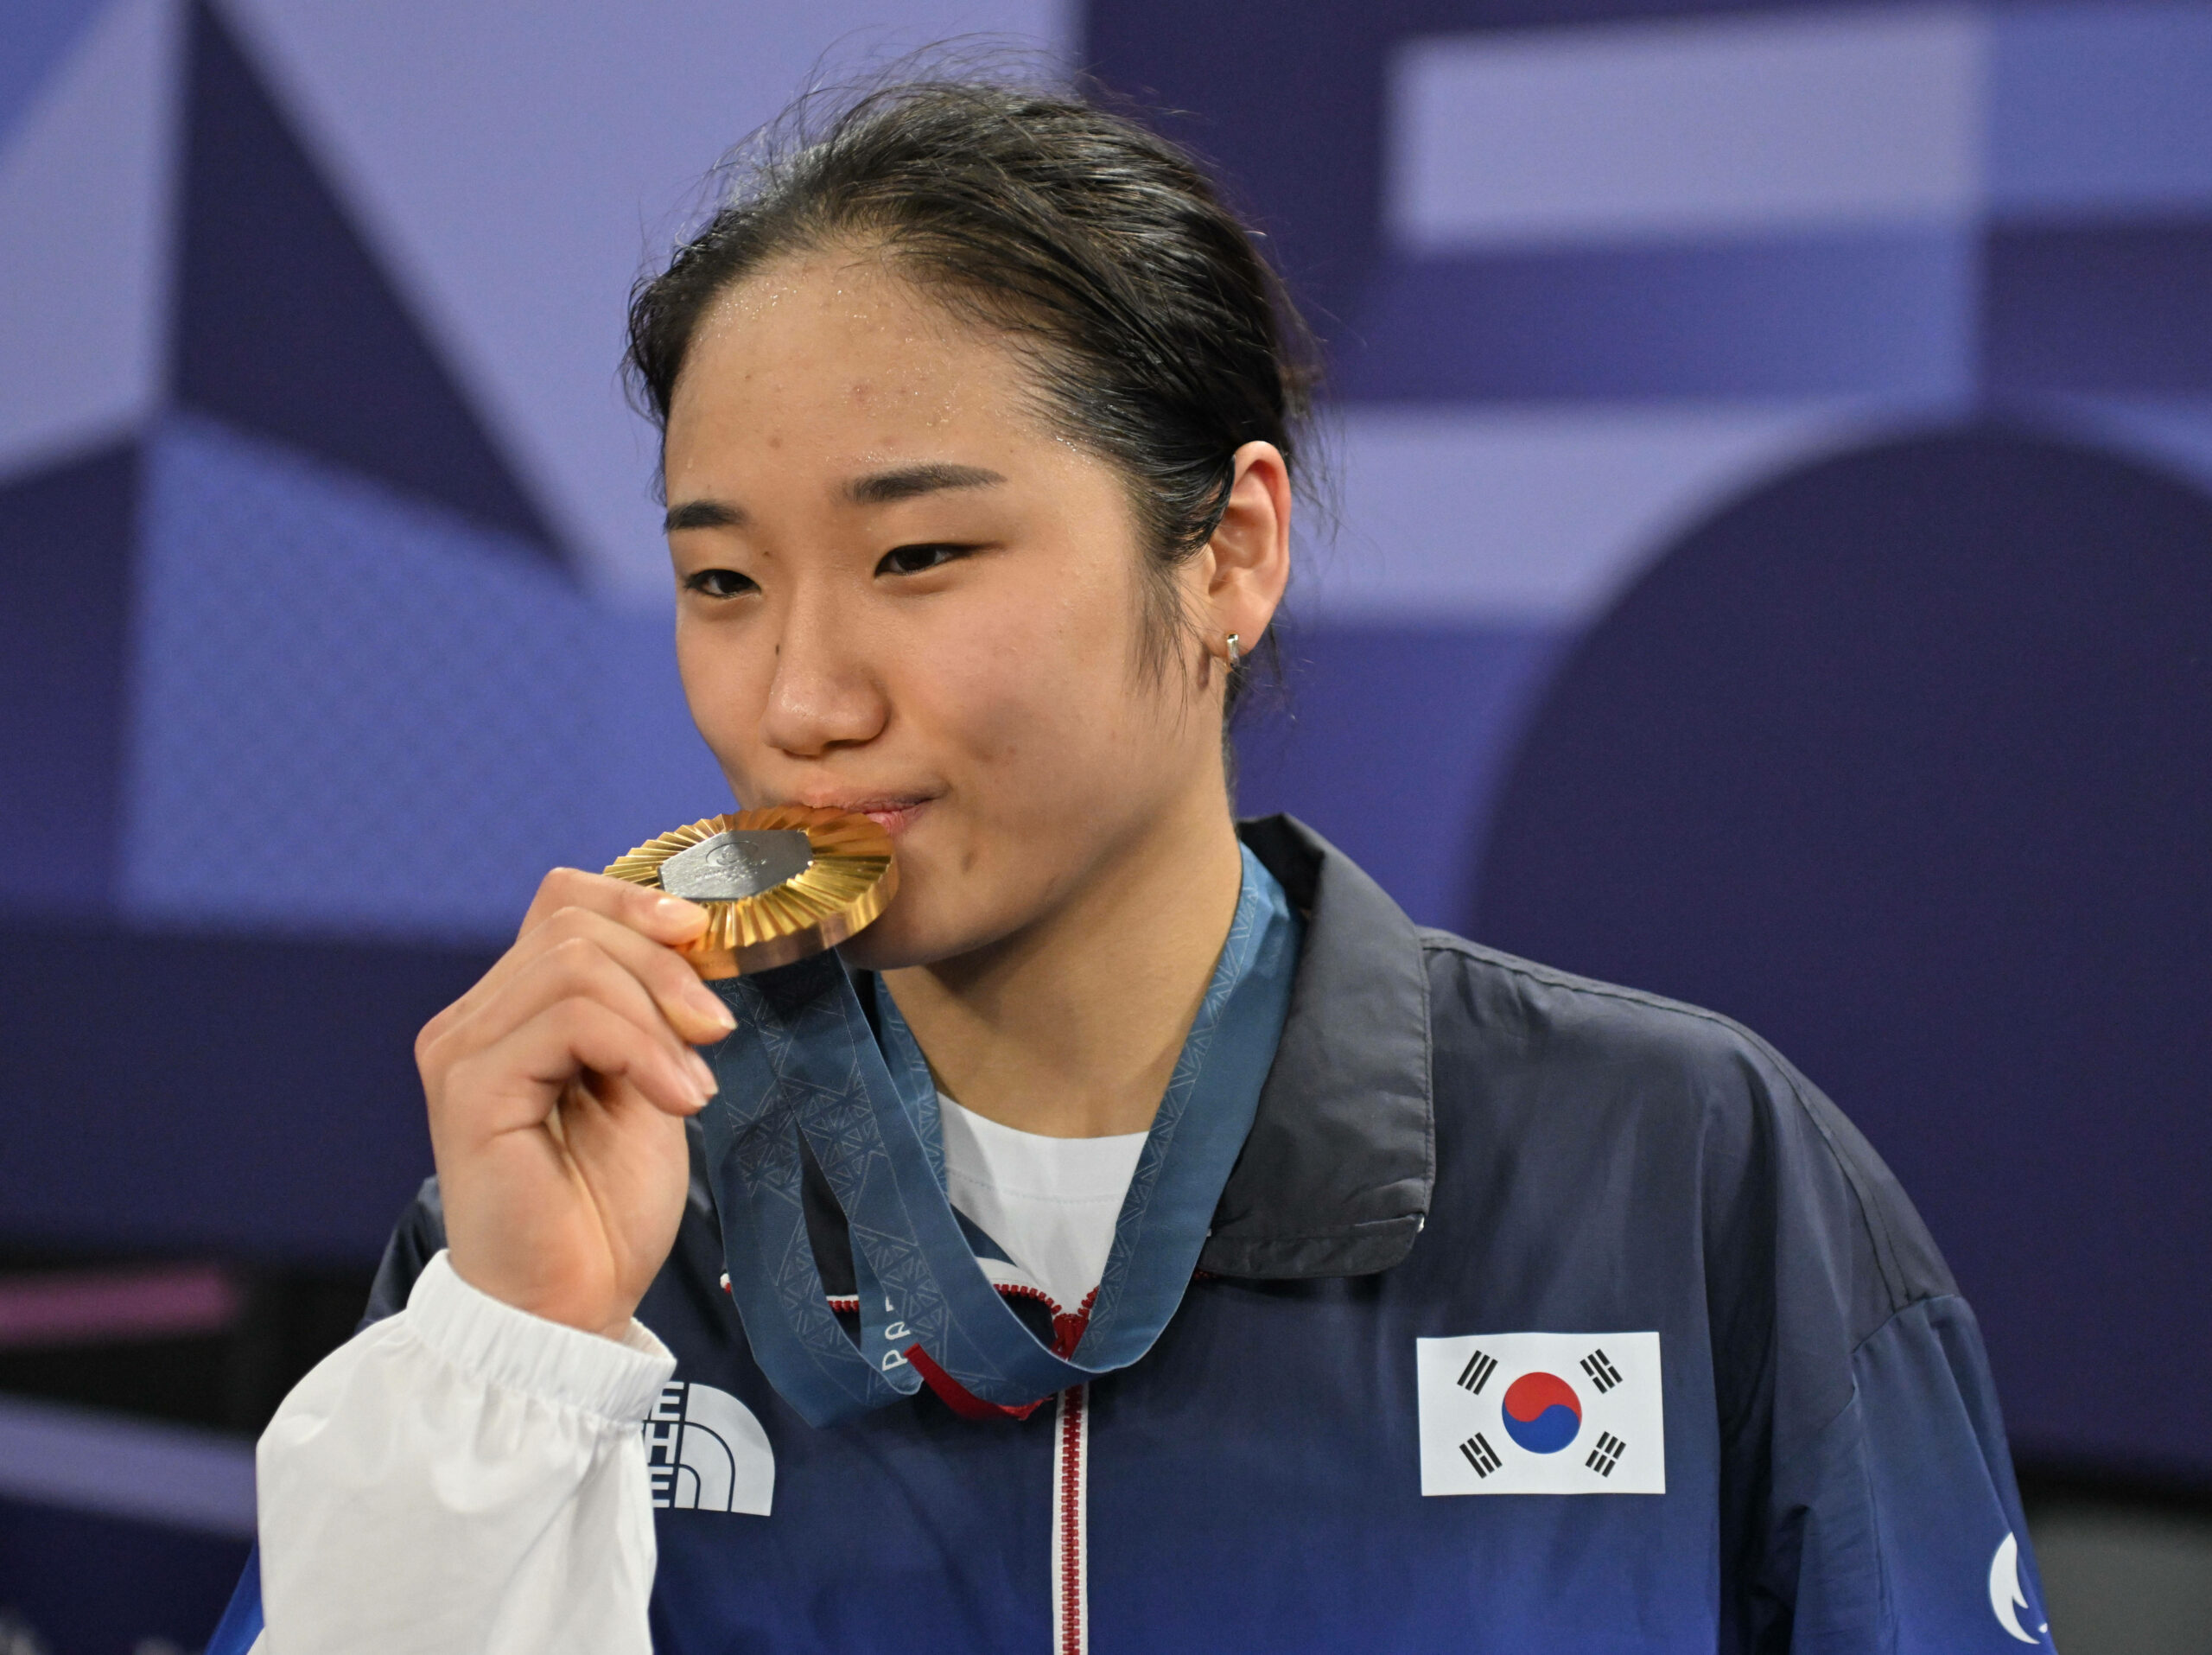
column 301, row 695
column 353, row 710
column 1592, row 270
column 300, row 599
column 286, row 324
column 65, row 589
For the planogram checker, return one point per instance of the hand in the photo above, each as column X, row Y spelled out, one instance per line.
column 558, row 1087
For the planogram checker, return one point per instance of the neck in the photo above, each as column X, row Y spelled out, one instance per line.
column 1072, row 1026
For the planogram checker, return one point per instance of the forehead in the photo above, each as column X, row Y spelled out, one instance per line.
column 834, row 352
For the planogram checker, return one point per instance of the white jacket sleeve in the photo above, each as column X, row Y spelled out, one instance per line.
column 462, row 1477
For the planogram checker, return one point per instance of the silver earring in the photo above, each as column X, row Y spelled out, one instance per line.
column 1230, row 644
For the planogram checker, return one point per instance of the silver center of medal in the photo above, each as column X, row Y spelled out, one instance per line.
column 736, row 863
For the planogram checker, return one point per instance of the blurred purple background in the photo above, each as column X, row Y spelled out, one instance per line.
column 1773, row 568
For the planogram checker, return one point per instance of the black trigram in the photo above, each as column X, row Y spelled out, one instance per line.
column 1603, row 1374
column 1607, row 1455
column 1480, row 1455
column 1475, row 1374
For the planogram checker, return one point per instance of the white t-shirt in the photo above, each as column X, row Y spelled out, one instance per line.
column 1050, row 1202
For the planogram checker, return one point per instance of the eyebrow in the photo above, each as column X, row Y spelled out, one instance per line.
column 875, row 489
column 702, row 514
column 882, row 487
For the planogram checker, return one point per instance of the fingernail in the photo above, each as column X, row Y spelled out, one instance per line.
column 708, row 1084
column 674, row 907
column 712, row 1008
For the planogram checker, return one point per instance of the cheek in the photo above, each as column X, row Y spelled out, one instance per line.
column 726, row 689
column 1037, row 688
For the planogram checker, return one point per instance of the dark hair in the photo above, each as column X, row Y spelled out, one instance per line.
column 1159, row 336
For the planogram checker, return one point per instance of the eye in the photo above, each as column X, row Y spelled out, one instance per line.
column 915, row 560
column 720, row 583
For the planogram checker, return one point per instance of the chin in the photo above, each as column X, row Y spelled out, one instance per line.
column 871, row 952
column 899, row 938
column 917, row 930
column 930, row 919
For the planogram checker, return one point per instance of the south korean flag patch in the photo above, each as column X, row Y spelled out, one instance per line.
column 1542, row 1414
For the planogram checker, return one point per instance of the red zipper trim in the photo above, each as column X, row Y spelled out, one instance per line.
column 1070, row 1560
column 1070, row 1458
column 958, row 1397
column 1067, row 1334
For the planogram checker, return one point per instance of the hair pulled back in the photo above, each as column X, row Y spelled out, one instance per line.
column 1156, row 334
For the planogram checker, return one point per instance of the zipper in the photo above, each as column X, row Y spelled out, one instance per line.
column 1071, row 1561
column 1070, row 1458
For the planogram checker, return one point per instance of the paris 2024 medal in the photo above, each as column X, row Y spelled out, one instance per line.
column 777, row 885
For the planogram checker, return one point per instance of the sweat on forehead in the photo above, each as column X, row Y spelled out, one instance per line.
column 854, row 371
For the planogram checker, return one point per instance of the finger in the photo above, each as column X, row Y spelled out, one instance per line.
column 648, row 911
column 668, row 1074
column 518, row 1081
column 693, row 1010
column 569, row 892
column 581, row 967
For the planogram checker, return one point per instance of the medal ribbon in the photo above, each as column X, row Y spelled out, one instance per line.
column 806, row 1075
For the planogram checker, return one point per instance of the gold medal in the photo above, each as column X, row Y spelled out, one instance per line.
column 777, row 885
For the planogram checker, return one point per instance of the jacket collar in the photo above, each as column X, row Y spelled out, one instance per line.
column 1335, row 1177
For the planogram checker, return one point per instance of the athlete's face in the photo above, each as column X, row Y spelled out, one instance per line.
column 898, row 592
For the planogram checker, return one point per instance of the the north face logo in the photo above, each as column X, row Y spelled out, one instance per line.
column 707, row 1452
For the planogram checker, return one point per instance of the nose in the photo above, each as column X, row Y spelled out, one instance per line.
column 823, row 694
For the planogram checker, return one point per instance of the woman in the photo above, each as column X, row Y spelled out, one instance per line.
column 980, row 420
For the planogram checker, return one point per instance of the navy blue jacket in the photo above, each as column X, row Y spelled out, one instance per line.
column 1452, row 1142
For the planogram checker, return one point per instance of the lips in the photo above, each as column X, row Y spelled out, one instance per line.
column 894, row 815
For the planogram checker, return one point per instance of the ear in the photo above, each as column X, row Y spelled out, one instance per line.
column 1247, row 563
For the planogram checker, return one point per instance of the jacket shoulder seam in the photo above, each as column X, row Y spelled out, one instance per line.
column 1877, row 1228
column 1868, row 1337
column 1931, row 1296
